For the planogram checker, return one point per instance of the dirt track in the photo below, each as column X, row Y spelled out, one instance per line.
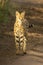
column 34, row 54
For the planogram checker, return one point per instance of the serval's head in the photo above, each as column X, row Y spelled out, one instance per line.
column 20, row 16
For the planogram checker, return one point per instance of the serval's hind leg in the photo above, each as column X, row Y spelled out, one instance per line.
column 24, row 46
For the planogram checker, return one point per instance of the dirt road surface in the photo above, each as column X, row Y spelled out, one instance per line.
column 34, row 54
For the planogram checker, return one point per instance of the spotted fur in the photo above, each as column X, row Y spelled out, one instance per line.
column 20, row 39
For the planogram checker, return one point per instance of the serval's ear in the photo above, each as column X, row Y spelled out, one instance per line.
column 23, row 14
column 17, row 14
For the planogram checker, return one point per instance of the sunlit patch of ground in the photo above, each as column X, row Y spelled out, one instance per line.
column 35, row 35
column 9, row 33
column 35, row 53
column 36, row 17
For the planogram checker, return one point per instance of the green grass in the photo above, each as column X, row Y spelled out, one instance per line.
column 4, row 16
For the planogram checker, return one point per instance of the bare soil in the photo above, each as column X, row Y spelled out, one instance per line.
column 34, row 54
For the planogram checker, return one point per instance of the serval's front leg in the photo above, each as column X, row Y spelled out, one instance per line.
column 17, row 46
